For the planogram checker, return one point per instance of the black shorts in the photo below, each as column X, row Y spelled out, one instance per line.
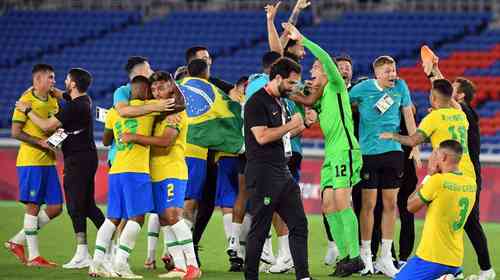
column 382, row 171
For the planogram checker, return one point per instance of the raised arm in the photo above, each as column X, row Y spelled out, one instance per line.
column 272, row 34
column 294, row 18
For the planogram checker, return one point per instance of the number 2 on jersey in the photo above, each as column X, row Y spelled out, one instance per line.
column 463, row 203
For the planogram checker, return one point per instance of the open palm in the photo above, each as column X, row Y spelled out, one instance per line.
column 292, row 31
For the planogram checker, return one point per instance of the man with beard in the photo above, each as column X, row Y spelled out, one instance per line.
column 80, row 156
column 269, row 182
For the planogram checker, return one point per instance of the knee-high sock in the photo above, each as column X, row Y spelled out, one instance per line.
column 350, row 223
column 185, row 241
column 43, row 219
column 153, row 233
column 337, row 231
column 127, row 241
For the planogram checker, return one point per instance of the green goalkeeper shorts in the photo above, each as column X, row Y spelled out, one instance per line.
column 341, row 169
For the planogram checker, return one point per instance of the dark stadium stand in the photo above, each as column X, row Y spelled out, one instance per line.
column 238, row 39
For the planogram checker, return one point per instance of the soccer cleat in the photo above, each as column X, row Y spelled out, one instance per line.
column 174, row 273
column 236, row 264
column 339, row 267
column 487, row 274
column 41, row 262
column 233, row 248
column 349, row 267
column 332, row 253
column 149, row 264
column 168, row 262
column 386, row 266
column 99, row 269
column 192, row 272
column 282, row 266
column 78, row 263
column 368, row 263
column 17, row 250
column 122, row 270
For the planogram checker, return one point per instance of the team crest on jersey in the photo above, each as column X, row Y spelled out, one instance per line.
column 267, row 200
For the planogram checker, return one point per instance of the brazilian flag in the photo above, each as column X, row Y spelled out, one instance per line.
column 214, row 119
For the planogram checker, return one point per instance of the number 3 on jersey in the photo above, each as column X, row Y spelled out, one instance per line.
column 463, row 203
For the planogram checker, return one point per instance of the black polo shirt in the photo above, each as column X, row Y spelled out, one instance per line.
column 77, row 120
column 473, row 139
column 262, row 109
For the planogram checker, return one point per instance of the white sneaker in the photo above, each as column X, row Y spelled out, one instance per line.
column 78, row 262
column 487, row 274
column 447, row 277
column 332, row 253
column 366, row 257
column 233, row 247
column 267, row 256
column 386, row 266
column 98, row 269
column 123, row 270
column 282, row 266
column 264, row 267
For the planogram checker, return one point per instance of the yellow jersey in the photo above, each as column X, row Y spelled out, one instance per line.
column 450, row 197
column 30, row 155
column 170, row 162
column 111, row 118
column 445, row 124
column 132, row 157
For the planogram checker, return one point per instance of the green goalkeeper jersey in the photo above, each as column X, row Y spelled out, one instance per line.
column 335, row 114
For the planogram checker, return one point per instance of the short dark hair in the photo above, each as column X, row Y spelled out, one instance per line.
column 344, row 57
column 443, row 87
column 197, row 67
column 134, row 61
column 269, row 58
column 140, row 80
column 243, row 80
column 191, row 52
column 42, row 67
column 181, row 72
column 452, row 146
column 284, row 67
column 291, row 56
column 160, row 76
column 81, row 77
column 291, row 43
column 467, row 87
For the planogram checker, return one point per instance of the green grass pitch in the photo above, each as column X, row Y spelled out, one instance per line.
column 57, row 244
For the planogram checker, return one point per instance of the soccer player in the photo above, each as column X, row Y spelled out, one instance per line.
column 130, row 191
column 36, row 171
column 344, row 64
column 203, row 159
column 80, row 157
column 449, row 195
column 340, row 171
column 462, row 95
column 169, row 176
column 380, row 102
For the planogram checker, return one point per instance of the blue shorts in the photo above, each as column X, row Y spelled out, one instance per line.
column 418, row 269
column 227, row 182
column 130, row 195
column 39, row 185
column 197, row 170
column 168, row 193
